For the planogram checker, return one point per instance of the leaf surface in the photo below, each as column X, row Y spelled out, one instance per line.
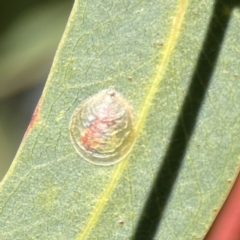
column 177, row 63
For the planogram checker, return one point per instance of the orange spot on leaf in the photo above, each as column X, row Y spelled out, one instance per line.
column 34, row 119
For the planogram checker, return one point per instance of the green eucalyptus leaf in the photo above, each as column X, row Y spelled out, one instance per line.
column 177, row 64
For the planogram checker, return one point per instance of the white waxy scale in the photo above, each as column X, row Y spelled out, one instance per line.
column 102, row 128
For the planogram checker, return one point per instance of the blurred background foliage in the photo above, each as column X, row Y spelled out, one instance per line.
column 30, row 31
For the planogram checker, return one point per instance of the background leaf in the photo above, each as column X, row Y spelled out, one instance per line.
column 29, row 44
column 29, row 34
column 177, row 63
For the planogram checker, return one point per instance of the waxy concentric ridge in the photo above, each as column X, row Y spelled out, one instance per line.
column 102, row 128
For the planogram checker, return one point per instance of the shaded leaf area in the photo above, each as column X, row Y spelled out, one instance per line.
column 186, row 122
column 151, row 52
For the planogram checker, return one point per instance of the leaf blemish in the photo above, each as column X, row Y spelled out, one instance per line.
column 34, row 119
column 130, row 79
column 121, row 222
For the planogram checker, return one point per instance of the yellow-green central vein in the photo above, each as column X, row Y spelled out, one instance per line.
column 170, row 45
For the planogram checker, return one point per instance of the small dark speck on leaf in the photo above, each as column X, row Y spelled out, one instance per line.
column 129, row 78
column 121, row 222
column 195, row 14
column 215, row 210
column 160, row 44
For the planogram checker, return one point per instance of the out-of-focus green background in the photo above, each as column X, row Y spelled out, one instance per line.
column 30, row 31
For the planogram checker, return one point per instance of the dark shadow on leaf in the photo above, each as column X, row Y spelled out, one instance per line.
column 162, row 187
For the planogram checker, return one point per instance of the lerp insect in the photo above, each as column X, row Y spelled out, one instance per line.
column 102, row 128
